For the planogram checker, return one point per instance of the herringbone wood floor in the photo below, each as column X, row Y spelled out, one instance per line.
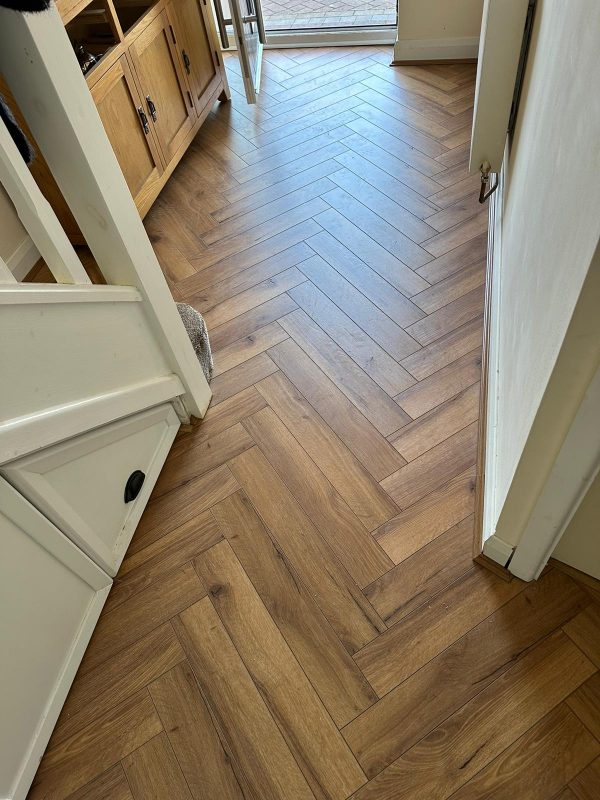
column 298, row 616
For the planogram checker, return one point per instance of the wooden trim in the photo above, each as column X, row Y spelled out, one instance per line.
column 492, row 566
column 483, row 394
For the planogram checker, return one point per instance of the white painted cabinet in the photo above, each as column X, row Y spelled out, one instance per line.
column 79, row 484
column 51, row 595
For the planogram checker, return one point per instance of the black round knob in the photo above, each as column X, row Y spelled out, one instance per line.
column 134, row 485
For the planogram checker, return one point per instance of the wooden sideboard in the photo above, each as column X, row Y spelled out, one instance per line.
column 158, row 74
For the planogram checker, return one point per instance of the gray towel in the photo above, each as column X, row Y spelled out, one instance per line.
column 196, row 330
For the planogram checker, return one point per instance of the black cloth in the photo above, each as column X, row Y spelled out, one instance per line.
column 25, row 5
column 16, row 133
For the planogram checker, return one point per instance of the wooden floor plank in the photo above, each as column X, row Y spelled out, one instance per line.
column 434, row 468
column 364, row 349
column 401, row 651
column 449, row 317
column 438, row 424
column 585, row 702
column 586, row 785
column 111, row 737
column 143, row 612
column 163, row 556
column 422, row 522
column 186, row 719
column 340, row 599
column 113, row 681
column 230, row 383
column 538, row 764
column 152, row 769
column 236, row 353
column 373, row 254
column 359, row 388
column 111, row 785
column 243, row 720
column 416, row 580
column 334, row 675
column 445, row 350
column 451, row 288
column 397, row 722
column 319, row 749
column 181, row 505
column 334, row 434
column 352, row 302
column 375, row 288
column 393, row 188
column 584, row 630
column 498, row 716
column 350, row 541
column 390, row 211
column 441, row 385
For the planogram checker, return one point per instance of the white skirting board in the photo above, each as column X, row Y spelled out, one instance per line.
column 436, row 49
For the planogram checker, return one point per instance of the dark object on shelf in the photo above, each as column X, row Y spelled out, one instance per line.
column 85, row 58
column 134, row 485
column 16, row 133
column 26, row 5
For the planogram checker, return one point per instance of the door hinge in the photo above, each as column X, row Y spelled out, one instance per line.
column 172, row 34
column 217, row 57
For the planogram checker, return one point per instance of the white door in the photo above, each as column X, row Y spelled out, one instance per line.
column 250, row 38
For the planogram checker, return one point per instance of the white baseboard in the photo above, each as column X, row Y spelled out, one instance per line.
column 498, row 550
column 436, row 49
column 23, row 258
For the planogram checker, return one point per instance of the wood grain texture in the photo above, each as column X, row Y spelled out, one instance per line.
column 319, row 749
column 477, row 659
column 350, row 541
column 241, row 715
column 336, row 678
column 340, row 599
column 193, row 737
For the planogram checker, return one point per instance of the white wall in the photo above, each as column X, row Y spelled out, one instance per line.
column 550, row 232
column 438, row 29
column 16, row 248
column 580, row 543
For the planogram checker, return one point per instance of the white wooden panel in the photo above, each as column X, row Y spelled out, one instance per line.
column 6, row 275
column 499, row 49
column 37, row 215
column 51, row 595
column 30, row 434
column 56, row 354
column 80, row 484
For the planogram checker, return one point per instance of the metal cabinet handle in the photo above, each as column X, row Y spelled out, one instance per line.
column 143, row 120
column 151, row 107
column 186, row 61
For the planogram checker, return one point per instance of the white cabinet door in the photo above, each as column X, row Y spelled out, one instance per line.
column 51, row 595
column 80, row 484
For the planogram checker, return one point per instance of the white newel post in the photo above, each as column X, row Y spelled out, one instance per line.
column 39, row 64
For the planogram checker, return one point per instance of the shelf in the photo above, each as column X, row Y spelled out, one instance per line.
column 130, row 12
column 93, row 34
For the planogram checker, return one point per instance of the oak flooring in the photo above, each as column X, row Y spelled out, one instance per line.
column 298, row 616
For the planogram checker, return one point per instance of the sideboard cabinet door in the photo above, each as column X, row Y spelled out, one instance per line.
column 119, row 105
column 167, row 102
column 192, row 40
column 51, row 595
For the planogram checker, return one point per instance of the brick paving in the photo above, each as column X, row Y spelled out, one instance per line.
column 294, row 14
